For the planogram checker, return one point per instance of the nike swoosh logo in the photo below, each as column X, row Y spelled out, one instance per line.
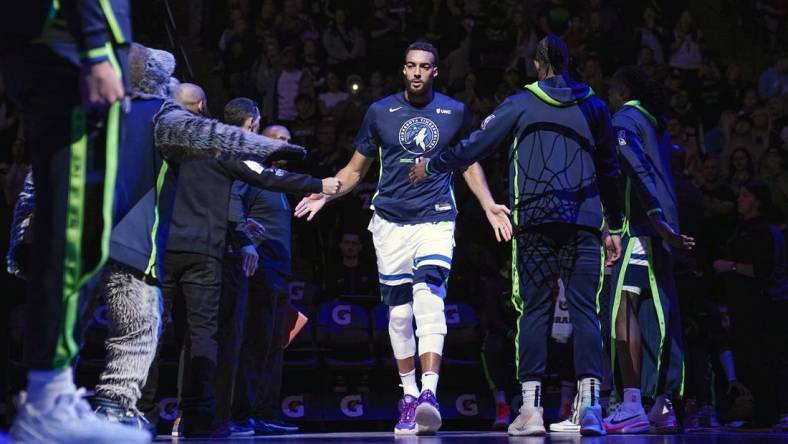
column 614, row 422
column 391, row 110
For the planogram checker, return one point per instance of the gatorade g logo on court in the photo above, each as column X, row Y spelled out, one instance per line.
column 168, row 409
column 341, row 314
column 418, row 135
column 452, row 314
column 293, row 406
column 295, row 290
column 352, row 406
column 466, row 404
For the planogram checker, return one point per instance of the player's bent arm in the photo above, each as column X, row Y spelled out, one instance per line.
column 352, row 173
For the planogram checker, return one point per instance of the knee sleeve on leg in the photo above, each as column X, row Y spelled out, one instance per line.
column 403, row 344
column 428, row 311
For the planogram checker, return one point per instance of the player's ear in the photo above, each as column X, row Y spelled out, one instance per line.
column 435, row 72
column 405, row 71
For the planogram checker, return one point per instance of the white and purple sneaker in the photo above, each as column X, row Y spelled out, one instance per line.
column 406, row 425
column 428, row 415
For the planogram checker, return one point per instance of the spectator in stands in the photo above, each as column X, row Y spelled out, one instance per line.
column 344, row 43
column 719, row 209
column 329, row 99
column 304, row 127
column 266, row 19
column 291, row 81
column 685, row 52
column 470, row 97
column 775, row 106
column 325, row 159
column 755, row 330
column 350, row 276
column 774, row 80
column 733, row 87
column 741, row 168
column 749, row 100
column 741, row 137
column 383, row 30
column 314, row 61
column 525, row 45
column 264, row 73
column 761, row 129
column 376, row 89
column 349, row 113
column 710, row 93
column 774, row 173
column 651, row 35
column 291, row 24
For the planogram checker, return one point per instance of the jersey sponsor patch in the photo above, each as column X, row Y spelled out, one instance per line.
column 622, row 137
column 418, row 135
column 487, row 121
column 254, row 166
column 441, row 207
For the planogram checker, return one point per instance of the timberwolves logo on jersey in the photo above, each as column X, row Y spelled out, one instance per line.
column 418, row 135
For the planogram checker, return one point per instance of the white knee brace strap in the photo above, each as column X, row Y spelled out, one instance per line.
column 403, row 344
column 430, row 319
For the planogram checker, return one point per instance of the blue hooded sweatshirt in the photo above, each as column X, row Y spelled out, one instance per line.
column 562, row 163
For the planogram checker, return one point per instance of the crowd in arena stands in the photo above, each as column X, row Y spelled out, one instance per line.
column 315, row 66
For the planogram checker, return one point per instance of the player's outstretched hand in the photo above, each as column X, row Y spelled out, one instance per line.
column 673, row 238
column 498, row 216
column 331, row 185
column 418, row 172
column 310, row 205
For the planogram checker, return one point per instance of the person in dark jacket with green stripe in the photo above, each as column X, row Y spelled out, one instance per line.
column 564, row 180
column 650, row 229
column 63, row 62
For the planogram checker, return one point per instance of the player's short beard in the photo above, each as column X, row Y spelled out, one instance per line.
column 426, row 87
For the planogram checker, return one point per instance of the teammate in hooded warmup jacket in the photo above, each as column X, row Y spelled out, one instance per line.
column 651, row 215
column 144, row 192
column 563, row 171
column 413, row 225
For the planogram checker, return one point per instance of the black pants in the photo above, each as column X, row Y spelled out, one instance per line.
column 232, row 309
column 69, row 152
column 259, row 383
column 575, row 255
column 192, row 282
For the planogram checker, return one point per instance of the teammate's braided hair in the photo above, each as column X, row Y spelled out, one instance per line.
column 642, row 87
column 551, row 52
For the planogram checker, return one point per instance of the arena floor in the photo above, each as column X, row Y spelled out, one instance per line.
column 500, row 437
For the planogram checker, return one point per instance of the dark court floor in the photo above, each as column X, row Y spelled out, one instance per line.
column 501, row 438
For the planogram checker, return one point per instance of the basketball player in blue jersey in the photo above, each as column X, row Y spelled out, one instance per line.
column 413, row 225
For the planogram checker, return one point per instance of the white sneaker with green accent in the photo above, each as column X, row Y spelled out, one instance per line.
column 570, row 424
column 528, row 423
column 70, row 420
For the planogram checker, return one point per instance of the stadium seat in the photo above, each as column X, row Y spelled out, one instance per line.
column 463, row 341
column 343, row 335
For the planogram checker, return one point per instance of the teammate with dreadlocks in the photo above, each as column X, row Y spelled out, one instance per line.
column 651, row 216
column 563, row 171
